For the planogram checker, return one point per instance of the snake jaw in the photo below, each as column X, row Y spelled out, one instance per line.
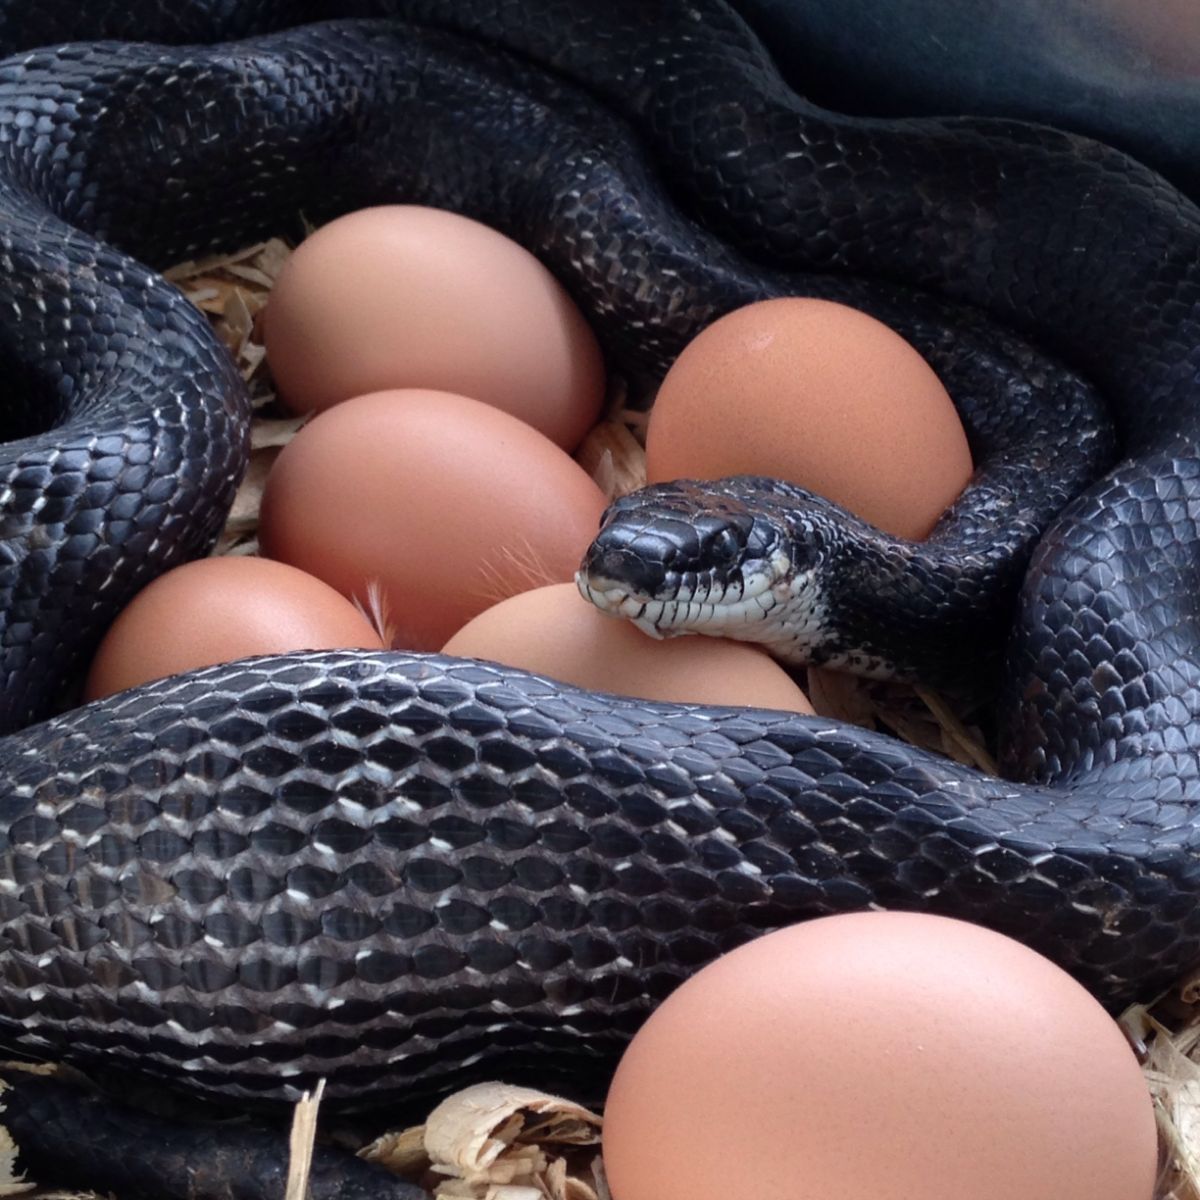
column 746, row 599
column 616, row 601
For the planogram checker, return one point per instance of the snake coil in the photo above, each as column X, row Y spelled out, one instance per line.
column 403, row 871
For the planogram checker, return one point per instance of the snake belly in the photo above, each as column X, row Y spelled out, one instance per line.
column 401, row 872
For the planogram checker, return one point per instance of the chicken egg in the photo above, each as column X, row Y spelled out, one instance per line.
column 820, row 395
column 403, row 296
column 554, row 631
column 880, row 1056
column 447, row 504
column 216, row 610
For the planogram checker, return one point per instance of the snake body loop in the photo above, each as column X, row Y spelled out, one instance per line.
column 399, row 871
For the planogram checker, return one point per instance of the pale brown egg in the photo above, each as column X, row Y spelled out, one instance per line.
column 880, row 1056
column 554, row 631
column 448, row 504
column 216, row 610
column 818, row 394
column 403, row 296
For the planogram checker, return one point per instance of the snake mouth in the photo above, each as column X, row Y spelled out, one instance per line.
column 703, row 602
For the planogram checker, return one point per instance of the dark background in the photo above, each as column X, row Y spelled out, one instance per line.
column 1123, row 71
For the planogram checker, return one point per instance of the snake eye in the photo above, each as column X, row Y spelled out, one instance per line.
column 724, row 548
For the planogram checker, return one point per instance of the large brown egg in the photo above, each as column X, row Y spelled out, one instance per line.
column 818, row 394
column 880, row 1056
column 219, row 609
column 449, row 505
column 403, row 296
column 554, row 631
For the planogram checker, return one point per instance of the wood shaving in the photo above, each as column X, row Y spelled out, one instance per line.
column 834, row 694
column 233, row 289
column 957, row 741
column 242, row 521
column 273, row 434
column 600, row 1179
column 614, row 458
column 48, row 1070
column 1173, row 1073
column 301, row 1142
column 268, row 436
column 917, row 715
column 12, row 1181
column 498, row 1142
column 403, row 1153
column 60, row 1195
column 605, row 476
column 1189, row 990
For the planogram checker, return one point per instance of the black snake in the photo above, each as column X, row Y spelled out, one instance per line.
column 400, row 871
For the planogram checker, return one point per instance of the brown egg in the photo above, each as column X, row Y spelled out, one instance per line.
column 450, row 504
column 554, row 631
column 403, row 296
column 880, row 1056
column 820, row 395
column 216, row 610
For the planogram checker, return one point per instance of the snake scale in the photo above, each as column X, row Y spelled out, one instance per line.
column 402, row 871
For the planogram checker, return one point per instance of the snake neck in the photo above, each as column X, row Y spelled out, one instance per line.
column 761, row 561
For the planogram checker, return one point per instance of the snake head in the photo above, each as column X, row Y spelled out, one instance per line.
column 719, row 558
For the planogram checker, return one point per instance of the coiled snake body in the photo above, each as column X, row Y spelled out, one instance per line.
column 399, row 871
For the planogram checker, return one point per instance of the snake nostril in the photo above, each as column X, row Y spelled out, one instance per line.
column 622, row 563
column 606, row 562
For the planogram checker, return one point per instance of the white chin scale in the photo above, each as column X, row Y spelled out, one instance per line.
column 741, row 612
column 615, row 601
